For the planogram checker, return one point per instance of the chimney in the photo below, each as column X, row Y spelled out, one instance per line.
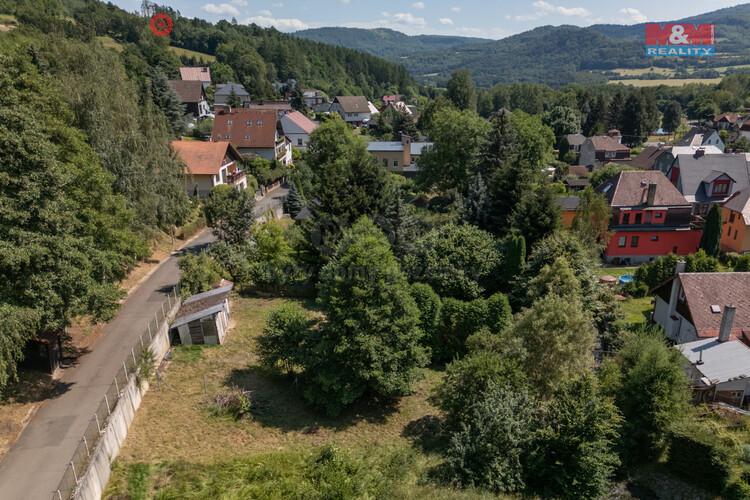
column 406, row 156
column 699, row 153
column 651, row 196
column 727, row 320
column 615, row 134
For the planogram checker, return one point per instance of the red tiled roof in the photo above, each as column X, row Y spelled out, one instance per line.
column 607, row 143
column 729, row 117
column 188, row 91
column 702, row 290
column 201, row 73
column 630, row 189
column 246, row 128
column 204, row 158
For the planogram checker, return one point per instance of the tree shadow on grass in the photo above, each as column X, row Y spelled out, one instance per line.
column 278, row 402
column 33, row 386
column 426, row 434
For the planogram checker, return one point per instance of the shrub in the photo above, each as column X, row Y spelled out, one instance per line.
column 430, row 308
column 284, row 338
column 198, row 273
column 234, row 402
column 695, row 447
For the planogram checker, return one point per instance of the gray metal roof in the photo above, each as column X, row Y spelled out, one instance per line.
column 225, row 289
column 694, row 170
column 197, row 315
column 226, row 89
column 417, row 147
column 395, row 146
column 722, row 361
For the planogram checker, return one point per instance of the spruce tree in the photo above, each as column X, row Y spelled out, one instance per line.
column 712, row 232
column 476, row 202
column 294, row 201
column 166, row 99
column 514, row 258
column 614, row 112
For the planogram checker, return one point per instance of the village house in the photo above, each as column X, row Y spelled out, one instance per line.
column 203, row 318
column 297, row 128
column 399, row 156
column 568, row 209
column 692, row 306
column 602, row 149
column 650, row 218
column 389, row 99
column 708, row 179
column 200, row 73
column 355, row 110
column 726, row 121
column 253, row 132
column 192, row 94
column 401, row 107
column 575, row 141
column 735, row 216
column 662, row 157
column 313, row 97
column 224, row 92
column 719, row 369
column 209, row 164
column 702, row 136
column 280, row 107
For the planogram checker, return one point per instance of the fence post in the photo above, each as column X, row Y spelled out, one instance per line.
column 97, row 418
column 117, row 386
column 86, row 443
column 141, row 339
column 163, row 315
column 169, row 301
column 109, row 411
column 132, row 351
column 59, row 495
column 149, row 331
column 75, row 476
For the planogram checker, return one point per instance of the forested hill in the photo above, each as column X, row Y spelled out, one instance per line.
column 385, row 42
column 253, row 56
column 549, row 54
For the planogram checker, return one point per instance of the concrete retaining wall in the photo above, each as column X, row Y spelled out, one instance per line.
column 94, row 481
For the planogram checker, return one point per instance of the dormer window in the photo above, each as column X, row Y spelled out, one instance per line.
column 720, row 188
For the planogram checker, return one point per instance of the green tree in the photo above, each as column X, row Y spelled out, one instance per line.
column 430, row 310
column 233, row 100
column 462, row 91
column 594, row 123
column 557, row 278
column 563, row 121
column 514, row 258
column 371, row 340
column 489, row 449
column 634, row 119
column 537, row 213
column 672, row 117
column 558, row 336
column 271, row 258
column 574, row 454
column 591, row 221
column 650, row 387
column 701, row 262
column 456, row 261
column 229, row 211
column 711, row 237
column 198, row 273
column 285, row 338
column 294, row 200
column 457, row 138
column 615, row 111
column 167, row 100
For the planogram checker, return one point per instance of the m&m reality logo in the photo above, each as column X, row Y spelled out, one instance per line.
column 676, row 40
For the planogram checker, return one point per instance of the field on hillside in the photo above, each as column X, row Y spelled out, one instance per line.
column 644, row 71
column 669, row 82
column 177, row 444
column 207, row 58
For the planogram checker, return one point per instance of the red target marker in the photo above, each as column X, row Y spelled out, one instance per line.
column 160, row 24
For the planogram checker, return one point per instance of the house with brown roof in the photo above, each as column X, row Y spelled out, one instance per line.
column 650, row 218
column 725, row 121
column 693, row 306
column 297, row 128
column 355, row 110
column 192, row 95
column 280, row 107
column 199, row 73
column 253, row 132
column 313, row 97
column 735, row 216
column 209, row 164
column 226, row 92
column 601, row 149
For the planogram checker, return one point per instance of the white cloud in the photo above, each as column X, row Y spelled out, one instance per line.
column 446, row 21
column 281, row 24
column 345, row 2
column 278, row 5
column 408, row 19
column 418, row 5
column 547, row 8
column 240, row 3
column 455, row 8
column 265, row 13
column 222, row 9
column 633, row 15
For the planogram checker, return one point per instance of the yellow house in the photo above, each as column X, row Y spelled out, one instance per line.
column 735, row 214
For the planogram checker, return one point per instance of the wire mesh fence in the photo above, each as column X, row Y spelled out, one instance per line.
column 79, row 462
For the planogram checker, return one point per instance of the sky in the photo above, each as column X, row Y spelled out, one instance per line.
column 482, row 18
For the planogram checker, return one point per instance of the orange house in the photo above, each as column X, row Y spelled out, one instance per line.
column 735, row 216
column 568, row 209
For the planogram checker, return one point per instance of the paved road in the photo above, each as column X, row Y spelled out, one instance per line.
column 35, row 464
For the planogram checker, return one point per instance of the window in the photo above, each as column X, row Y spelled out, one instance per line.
column 655, row 237
column 735, row 234
column 638, row 218
column 249, row 123
column 674, row 249
column 385, row 162
column 720, row 188
column 658, row 215
column 610, row 154
column 395, row 163
column 229, row 122
column 634, row 241
column 622, row 240
column 626, row 218
column 729, row 232
column 299, row 142
column 247, row 137
column 731, row 217
column 259, row 122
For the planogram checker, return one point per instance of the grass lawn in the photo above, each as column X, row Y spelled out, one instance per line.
column 616, row 271
column 636, row 310
column 175, row 438
column 206, row 58
column 110, row 43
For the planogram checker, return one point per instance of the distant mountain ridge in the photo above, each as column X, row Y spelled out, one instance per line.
column 549, row 54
